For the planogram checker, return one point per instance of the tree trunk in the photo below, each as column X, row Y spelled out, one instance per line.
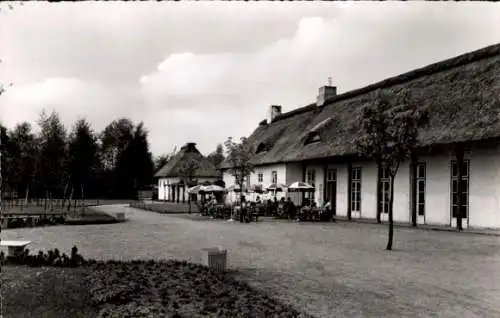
column 391, row 223
column 45, row 201
column 70, row 198
column 83, row 198
column 64, row 194
column 459, row 153
column 27, row 194
column 51, row 202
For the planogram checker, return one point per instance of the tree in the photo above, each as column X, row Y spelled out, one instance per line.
column 52, row 155
column 142, row 158
column 23, row 149
column 187, row 173
column 389, row 133
column 114, row 139
column 82, row 156
column 134, row 166
column 216, row 158
column 239, row 157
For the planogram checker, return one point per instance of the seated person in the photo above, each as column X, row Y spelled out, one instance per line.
column 328, row 205
column 257, row 201
column 306, row 202
column 291, row 211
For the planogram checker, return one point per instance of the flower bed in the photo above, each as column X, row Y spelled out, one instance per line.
column 175, row 289
column 161, row 288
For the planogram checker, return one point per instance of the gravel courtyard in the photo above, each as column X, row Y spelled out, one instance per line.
column 329, row 270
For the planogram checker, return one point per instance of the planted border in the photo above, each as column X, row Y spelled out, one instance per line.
column 152, row 288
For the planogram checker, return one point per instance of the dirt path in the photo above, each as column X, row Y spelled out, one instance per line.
column 328, row 269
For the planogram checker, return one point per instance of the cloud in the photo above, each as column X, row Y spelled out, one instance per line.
column 202, row 72
column 72, row 98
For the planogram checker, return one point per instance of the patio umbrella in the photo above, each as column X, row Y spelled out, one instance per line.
column 235, row 188
column 212, row 188
column 195, row 189
column 276, row 187
column 299, row 185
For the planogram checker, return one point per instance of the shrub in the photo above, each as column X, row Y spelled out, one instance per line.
column 50, row 258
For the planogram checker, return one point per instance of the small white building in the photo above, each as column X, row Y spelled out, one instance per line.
column 172, row 184
column 314, row 144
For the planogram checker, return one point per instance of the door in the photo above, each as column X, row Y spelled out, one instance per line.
column 331, row 189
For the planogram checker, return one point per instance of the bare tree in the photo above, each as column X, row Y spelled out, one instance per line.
column 187, row 173
column 239, row 157
column 389, row 132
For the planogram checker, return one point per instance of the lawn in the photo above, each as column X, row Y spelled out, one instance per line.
column 330, row 270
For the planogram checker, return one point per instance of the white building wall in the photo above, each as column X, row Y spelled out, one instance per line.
column 293, row 172
column 484, row 188
column 484, row 185
column 267, row 174
column 164, row 188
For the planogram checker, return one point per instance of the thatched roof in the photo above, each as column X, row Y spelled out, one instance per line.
column 187, row 152
column 461, row 95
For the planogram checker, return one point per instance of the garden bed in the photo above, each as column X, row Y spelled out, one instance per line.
column 32, row 217
column 165, row 207
column 128, row 289
column 175, row 289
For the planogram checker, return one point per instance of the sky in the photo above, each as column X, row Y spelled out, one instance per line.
column 203, row 71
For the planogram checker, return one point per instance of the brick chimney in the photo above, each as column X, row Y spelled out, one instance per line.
column 273, row 112
column 325, row 93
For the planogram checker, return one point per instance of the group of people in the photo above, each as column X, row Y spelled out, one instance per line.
column 247, row 210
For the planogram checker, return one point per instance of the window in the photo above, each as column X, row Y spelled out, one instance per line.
column 248, row 180
column 464, row 199
column 331, row 175
column 274, row 177
column 261, row 148
column 312, row 137
column 260, row 177
column 420, row 189
column 311, row 177
column 384, row 190
column 356, row 189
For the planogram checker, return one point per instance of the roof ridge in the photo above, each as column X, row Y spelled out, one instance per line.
column 429, row 69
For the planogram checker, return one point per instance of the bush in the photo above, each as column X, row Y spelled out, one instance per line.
column 51, row 258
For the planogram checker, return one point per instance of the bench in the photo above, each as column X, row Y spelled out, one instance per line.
column 15, row 247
